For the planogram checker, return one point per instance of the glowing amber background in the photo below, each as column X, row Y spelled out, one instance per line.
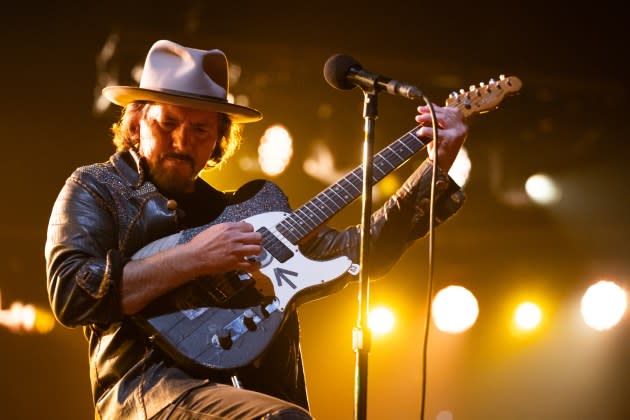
column 569, row 121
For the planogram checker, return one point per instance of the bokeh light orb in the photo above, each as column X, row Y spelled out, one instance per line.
column 455, row 309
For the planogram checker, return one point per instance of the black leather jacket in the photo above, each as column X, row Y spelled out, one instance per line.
column 108, row 211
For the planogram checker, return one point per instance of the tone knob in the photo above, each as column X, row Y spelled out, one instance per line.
column 222, row 339
column 248, row 319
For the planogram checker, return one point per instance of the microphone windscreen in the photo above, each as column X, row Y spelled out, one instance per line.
column 336, row 69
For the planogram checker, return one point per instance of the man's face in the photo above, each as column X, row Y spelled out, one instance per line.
column 176, row 143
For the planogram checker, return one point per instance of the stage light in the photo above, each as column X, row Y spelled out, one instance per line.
column 275, row 150
column 380, row 320
column 542, row 189
column 444, row 415
column 527, row 316
column 320, row 165
column 603, row 305
column 26, row 318
column 455, row 309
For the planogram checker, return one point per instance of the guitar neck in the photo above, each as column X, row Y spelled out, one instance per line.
column 334, row 198
column 475, row 100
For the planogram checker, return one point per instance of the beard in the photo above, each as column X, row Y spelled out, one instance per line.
column 173, row 173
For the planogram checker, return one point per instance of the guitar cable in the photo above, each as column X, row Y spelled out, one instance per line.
column 431, row 259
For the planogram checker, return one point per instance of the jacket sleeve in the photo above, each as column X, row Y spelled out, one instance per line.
column 396, row 225
column 83, row 265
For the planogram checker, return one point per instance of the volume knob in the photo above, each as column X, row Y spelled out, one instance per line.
column 249, row 319
column 222, row 340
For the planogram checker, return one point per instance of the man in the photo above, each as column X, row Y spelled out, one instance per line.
column 174, row 124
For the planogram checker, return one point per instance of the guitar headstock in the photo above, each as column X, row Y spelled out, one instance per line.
column 485, row 97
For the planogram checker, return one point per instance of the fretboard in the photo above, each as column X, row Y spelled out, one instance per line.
column 334, row 198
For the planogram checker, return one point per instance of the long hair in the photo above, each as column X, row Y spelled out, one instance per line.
column 127, row 133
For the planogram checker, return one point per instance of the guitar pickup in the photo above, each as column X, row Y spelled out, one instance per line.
column 274, row 246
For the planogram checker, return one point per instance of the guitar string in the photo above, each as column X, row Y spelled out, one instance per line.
column 306, row 213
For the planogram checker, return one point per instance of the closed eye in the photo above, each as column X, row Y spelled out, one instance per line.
column 201, row 129
column 168, row 124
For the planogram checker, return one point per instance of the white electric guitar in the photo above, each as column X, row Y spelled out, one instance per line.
column 226, row 322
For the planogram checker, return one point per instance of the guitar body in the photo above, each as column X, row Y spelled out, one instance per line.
column 227, row 321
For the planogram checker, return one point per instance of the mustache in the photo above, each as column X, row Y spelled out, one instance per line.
column 177, row 155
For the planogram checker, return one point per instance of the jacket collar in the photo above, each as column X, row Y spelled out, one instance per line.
column 129, row 166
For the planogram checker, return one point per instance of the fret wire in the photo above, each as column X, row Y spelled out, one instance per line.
column 293, row 227
column 378, row 169
column 330, row 209
column 357, row 189
column 394, row 152
column 358, row 174
column 308, row 212
column 412, row 134
column 379, row 164
column 292, row 218
column 410, row 139
column 299, row 223
column 343, row 190
column 287, row 232
column 327, row 195
column 314, row 213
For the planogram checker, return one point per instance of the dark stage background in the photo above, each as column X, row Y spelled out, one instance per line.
column 569, row 121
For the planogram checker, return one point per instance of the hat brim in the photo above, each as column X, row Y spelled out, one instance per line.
column 124, row 95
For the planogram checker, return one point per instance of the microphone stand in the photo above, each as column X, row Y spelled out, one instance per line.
column 361, row 337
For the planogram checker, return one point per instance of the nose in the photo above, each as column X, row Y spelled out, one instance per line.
column 181, row 136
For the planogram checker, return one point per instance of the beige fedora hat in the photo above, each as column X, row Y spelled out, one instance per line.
column 183, row 76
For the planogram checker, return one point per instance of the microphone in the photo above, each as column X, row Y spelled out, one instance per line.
column 344, row 72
